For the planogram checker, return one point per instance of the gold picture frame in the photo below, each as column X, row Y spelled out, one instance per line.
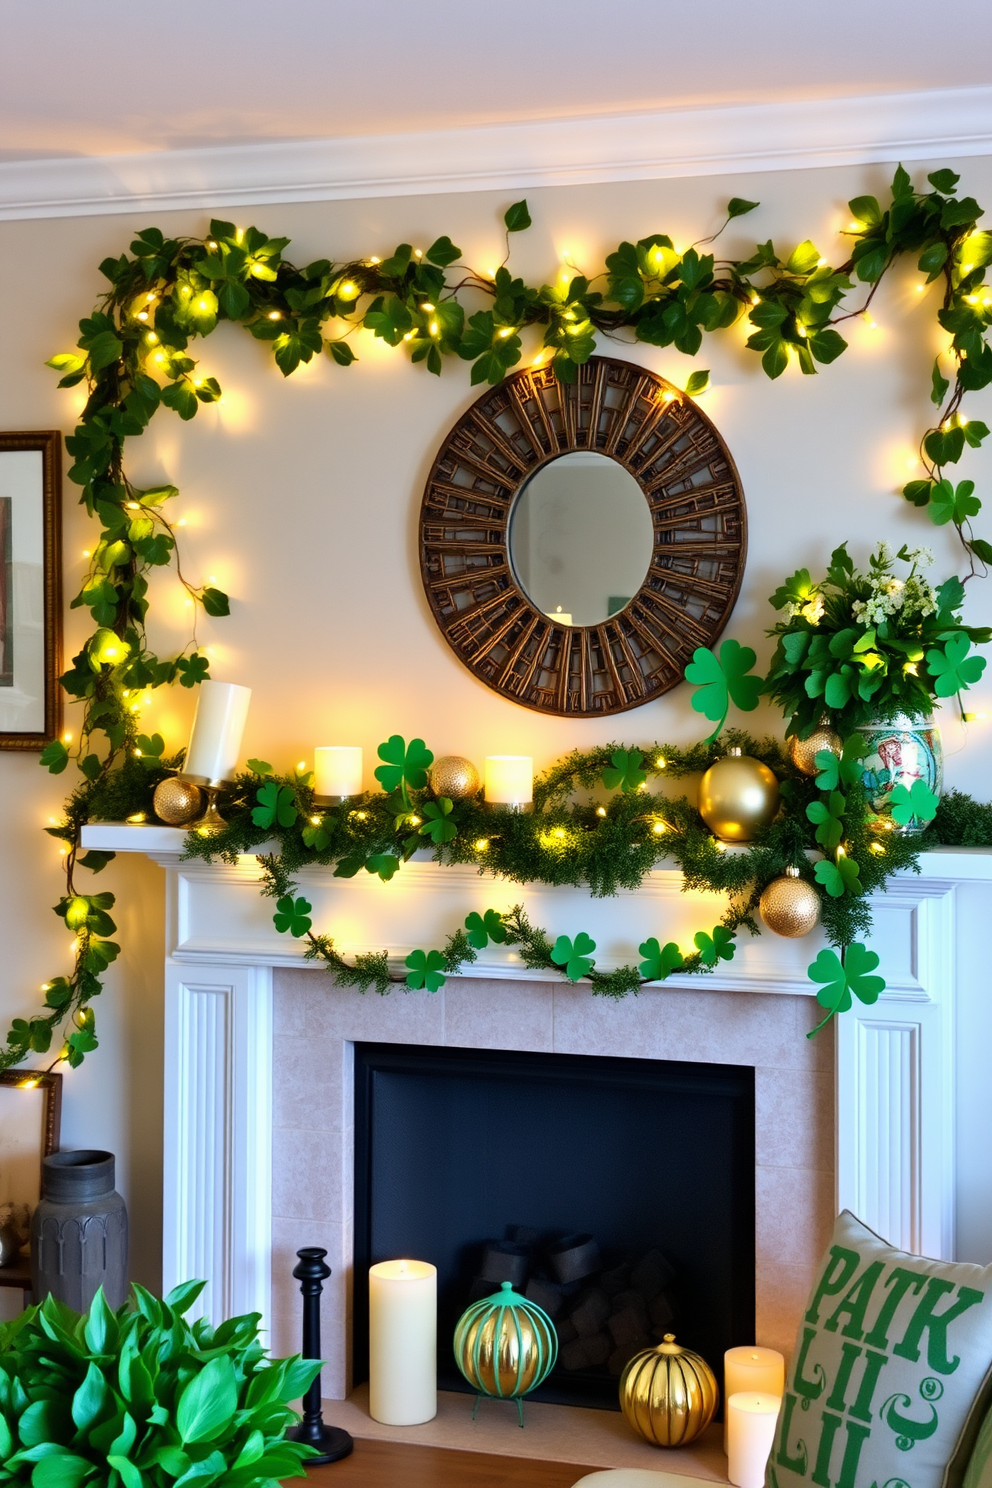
column 30, row 588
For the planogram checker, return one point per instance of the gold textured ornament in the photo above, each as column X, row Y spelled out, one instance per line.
column 455, row 777
column 177, row 802
column 738, row 796
column 803, row 752
column 789, row 905
column 505, row 1346
column 669, row 1394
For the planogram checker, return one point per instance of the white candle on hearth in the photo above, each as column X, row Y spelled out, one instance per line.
column 338, row 770
column 403, row 1342
column 751, row 1422
column 218, row 728
column 509, row 779
column 759, row 1370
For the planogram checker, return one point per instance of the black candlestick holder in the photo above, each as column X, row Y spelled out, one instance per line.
column 331, row 1442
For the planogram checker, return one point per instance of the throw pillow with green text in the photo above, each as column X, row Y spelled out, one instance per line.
column 891, row 1371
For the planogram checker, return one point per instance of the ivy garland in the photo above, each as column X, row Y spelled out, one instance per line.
column 132, row 355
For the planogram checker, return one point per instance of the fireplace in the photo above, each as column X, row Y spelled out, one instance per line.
column 621, row 1192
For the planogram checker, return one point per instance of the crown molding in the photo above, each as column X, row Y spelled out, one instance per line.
column 939, row 124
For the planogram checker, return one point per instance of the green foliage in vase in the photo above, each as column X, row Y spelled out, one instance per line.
column 142, row 1398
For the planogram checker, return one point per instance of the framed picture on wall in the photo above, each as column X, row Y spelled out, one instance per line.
column 30, row 1116
column 30, row 589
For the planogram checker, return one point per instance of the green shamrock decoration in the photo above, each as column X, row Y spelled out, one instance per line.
column 953, row 668
column 54, row 757
column 574, row 958
column 843, row 769
column 150, row 750
column 426, row 970
column 485, row 928
column 917, row 802
column 275, row 804
column 626, row 770
column 405, row 766
column 723, row 681
column 437, row 827
column 829, row 819
column 292, row 915
column 385, row 864
column 845, row 979
column 317, row 835
column 838, row 878
column 659, row 961
column 260, row 767
column 720, row 946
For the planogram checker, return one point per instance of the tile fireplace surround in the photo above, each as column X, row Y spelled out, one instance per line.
column 258, row 1145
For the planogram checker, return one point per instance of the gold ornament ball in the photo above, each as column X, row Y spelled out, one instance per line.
column 803, row 752
column 789, row 905
column 738, row 796
column 177, row 802
column 455, row 777
column 669, row 1394
column 505, row 1345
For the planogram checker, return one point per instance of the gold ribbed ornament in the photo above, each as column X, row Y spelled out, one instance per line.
column 803, row 752
column 455, row 777
column 505, row 1345
column 177, row 802
column 789, row 905
column 738, row 796
column 669, row 1394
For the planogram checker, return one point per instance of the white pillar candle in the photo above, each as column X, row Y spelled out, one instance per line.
column 509, row 779
column 759, row 1370
column 403, row 1342
column 338, row 771
column 218, row 728
column 751, row 1422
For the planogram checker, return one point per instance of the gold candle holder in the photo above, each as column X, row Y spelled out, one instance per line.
column 211, row 820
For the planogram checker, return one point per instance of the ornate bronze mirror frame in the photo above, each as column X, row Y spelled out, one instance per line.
column 699, row 525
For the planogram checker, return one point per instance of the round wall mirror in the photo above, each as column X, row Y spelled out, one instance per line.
column 580, row 538
column 578, row 541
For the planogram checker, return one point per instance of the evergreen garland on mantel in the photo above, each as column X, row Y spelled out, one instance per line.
column 132, row 355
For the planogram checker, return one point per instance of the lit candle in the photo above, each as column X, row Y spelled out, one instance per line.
column 218, row 727
column 403, row 1342
column 759, row 1370
column 751, row 1422
column 338, row 771
column 562, row 616
column 509, row 780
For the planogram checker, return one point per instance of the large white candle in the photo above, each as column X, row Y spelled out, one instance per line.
column 509, row 779
column 751, row 1422
column 759, row 1370
column 338, row 771
column 218, row 727
column 403, row 1342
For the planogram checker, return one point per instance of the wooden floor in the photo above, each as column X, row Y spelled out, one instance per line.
column 378, row 1464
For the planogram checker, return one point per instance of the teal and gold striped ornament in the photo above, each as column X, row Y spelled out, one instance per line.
column 505, row 1346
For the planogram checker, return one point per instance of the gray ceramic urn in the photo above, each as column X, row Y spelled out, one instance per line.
column 79, row 1231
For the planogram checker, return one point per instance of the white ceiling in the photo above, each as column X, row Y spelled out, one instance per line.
column 113, row 76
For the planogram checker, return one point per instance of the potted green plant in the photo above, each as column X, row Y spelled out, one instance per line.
column 142, row 1398
column 870, row 653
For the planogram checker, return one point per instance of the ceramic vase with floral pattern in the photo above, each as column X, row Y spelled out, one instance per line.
column 898, row 753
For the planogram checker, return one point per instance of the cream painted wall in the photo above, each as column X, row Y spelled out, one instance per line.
column 301, row 497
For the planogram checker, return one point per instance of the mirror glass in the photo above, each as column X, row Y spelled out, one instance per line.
column 580, row 538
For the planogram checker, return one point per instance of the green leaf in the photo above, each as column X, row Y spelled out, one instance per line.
column 192, row 670
column 944, row 180
column 384, row 864
column 208, row 1402
column 698, row 383
column 626, row 771
column 953, row 669
column 341, row 352
column 953, row 503
column 103, row 349
column 720, row 682
column 437, row 827
column 828, row 816
column 914, row 803
column 259, row 767
column 215, row 602
column 845, row 980
column 843, row 769
column 443, row 252
column 737, row 206
column 517, row 217
column 720, row 946
column 95, row 861
column 426, row 970
column 485, row 928
column 276, row 803
column 54, row 757
column 866, row 211
column 62, row 1470
column 659, row 961
column 292, row 915
column 403, row 764
column 838, row 878
column 575, row 958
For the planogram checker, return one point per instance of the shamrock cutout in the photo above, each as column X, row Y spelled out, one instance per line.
column 426, row 970
column 838, row 878
column 953, row 668
column 829, row 819
column 318, row 834
column 292, row 915
column 917, row 802
column 720, row 946
column 437, row 827
column 385, row 864
column 405, row 765
column 659, row 961
column 574, row 957
column 723, row 681
column 843, row 769
column 845, row 979
column 150, row 750
column 626, row 770
column 259, row 767
column 349, row 866
column 485, row 928
column 275, row 804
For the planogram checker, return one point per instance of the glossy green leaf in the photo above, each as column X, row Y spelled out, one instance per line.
column 574, row 957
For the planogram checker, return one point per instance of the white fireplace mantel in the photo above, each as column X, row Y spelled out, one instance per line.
column 895, row 1060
